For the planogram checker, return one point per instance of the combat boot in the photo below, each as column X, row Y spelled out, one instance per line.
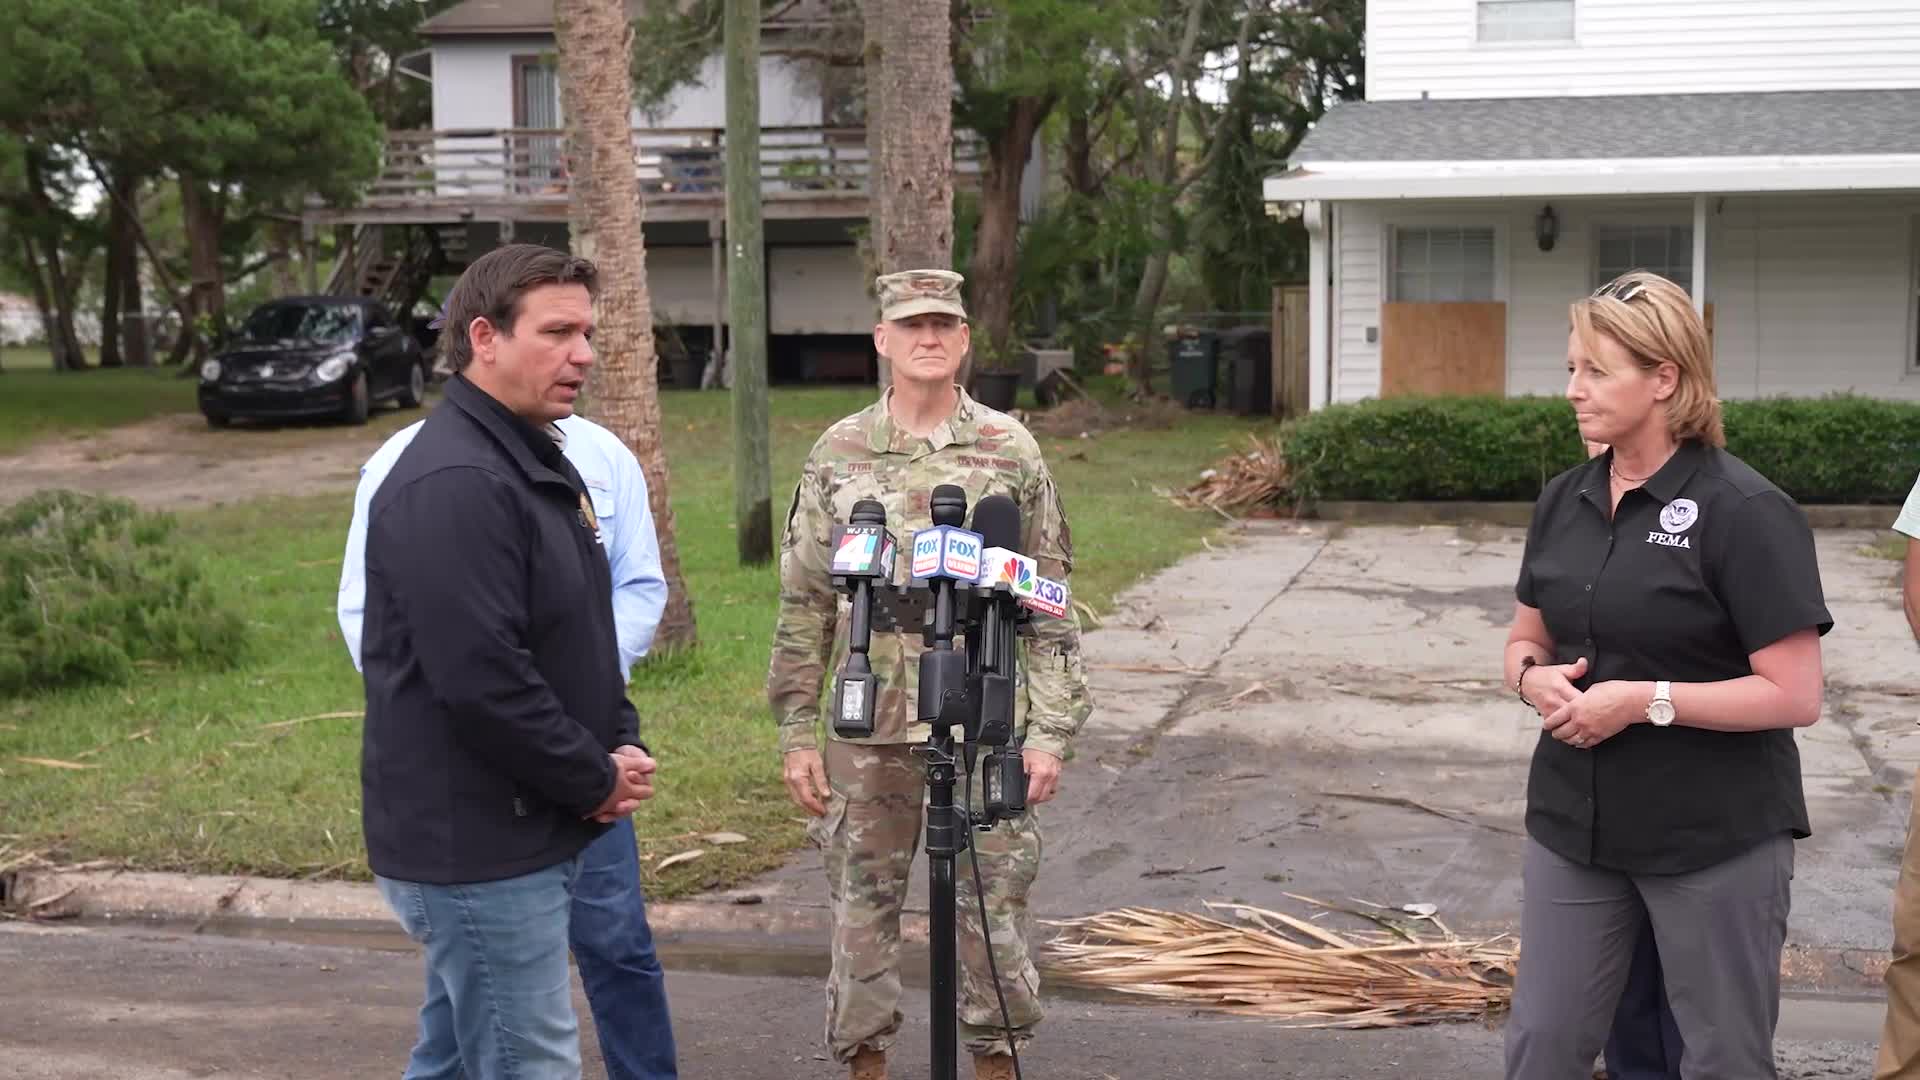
column 869, row 1064
column 992, row 1067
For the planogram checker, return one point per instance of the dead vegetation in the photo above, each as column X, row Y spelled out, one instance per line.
column 1255, row 480
column 1407, row 969
column 1084, row 416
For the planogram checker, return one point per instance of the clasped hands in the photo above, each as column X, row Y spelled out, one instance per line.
column 805, row 774
column 1581, row 719
column 633, row 770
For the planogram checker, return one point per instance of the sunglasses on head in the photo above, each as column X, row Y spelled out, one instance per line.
column 1621, row 289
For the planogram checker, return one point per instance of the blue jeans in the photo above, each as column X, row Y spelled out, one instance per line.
column 613, row 945
column 499, row 1001
column 1645, row 1041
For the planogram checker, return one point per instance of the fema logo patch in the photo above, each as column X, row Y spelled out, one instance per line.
column 1679, row 515
column 1675, row 518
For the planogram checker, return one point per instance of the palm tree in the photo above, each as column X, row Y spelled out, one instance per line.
column 909, row 69
column 595, row 39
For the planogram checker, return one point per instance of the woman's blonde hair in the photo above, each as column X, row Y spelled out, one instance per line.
column 1655, row 320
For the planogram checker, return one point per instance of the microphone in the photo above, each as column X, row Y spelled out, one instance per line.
column 944, row 557
column 863, row 554
column 1003, row 788
column 997, row 519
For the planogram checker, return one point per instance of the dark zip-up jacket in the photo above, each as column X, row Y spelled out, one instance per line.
column 494, row 691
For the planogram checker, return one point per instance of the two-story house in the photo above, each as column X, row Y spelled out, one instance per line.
column 1512, row 155
column 493, row 169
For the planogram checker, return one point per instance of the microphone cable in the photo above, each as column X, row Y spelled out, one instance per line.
column 986, row 932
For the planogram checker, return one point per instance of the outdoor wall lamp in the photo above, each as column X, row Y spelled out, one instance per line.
column 1546, row 228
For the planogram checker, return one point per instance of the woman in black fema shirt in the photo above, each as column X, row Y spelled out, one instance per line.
column 1668, row 633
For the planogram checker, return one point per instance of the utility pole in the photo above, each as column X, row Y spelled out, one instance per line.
column 747, row 287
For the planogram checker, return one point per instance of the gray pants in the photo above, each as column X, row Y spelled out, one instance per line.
column 1719, row 930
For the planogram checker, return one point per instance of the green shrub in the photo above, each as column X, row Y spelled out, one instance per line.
column 1839, row 449
column 92, row 587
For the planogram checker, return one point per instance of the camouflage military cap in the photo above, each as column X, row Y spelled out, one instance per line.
column 918, row 292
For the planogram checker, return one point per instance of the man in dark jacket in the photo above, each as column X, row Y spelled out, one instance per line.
column 499, row 740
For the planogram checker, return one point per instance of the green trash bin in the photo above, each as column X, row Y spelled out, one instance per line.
column 1194, row 357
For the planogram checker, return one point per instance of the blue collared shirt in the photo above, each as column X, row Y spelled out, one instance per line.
column 619, row 492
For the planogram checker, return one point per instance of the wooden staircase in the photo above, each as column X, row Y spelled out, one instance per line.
column 394, row 264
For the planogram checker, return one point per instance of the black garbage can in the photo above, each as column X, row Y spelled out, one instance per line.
column 1247, row 353
column 1195, row 362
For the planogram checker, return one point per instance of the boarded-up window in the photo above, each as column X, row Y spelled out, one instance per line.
column 1666, row 250
column 1443, row 264
column 1525, row 20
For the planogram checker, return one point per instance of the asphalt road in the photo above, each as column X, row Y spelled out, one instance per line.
column 138, row 1004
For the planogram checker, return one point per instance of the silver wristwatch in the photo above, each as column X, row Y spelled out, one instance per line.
column 1660, row 709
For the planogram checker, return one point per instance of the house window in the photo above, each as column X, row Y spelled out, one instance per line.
column 536, row 104
column 1525, row 20
column 1666, row 250
column 1443, row 264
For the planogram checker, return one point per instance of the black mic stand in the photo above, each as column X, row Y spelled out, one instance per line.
column 971, row 689
column 942, row 706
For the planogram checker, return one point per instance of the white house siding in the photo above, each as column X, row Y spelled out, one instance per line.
column 680, row 283
column 818, row 290
column 1823, row 297
column 1811, row 295
column 473, row 88
column 473, row 80
column 1360, row 259
column 789, row 97
column 1428, row 47
column 811, row 289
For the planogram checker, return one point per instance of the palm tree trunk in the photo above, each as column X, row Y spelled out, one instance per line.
column 595, row 41
column 910, row 134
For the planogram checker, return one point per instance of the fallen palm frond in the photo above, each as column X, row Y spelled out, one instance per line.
column 1254, row 479
column 1271, row 964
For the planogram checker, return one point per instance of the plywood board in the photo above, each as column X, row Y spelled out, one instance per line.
column 1440, row 349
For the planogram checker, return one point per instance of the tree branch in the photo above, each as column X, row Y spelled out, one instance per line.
column 1223, row 127
column 260, row 264
column 1169, row 149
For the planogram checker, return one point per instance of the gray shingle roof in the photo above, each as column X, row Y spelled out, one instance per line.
column 1641, row 126
column 497, row 17
column 510, row 17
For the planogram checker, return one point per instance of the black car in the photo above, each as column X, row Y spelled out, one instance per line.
column 313, row 356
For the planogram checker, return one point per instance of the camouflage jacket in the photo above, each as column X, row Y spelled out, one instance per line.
column 866, row 457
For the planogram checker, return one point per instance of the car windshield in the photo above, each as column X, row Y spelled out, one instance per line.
column 324, row 324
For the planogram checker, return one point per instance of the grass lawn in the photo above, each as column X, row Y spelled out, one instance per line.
column 255, row 769
column 36, row 401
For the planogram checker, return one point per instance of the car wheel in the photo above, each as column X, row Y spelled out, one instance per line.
column 416, row 392
column 216, row 420
column 357, row 400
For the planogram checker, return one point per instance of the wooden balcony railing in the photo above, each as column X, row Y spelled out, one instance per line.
column 494, row 166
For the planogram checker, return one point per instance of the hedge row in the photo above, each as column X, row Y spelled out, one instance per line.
column 1839, row 449
column 92, row 588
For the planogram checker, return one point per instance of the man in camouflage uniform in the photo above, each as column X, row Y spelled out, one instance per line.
column 866, row 796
